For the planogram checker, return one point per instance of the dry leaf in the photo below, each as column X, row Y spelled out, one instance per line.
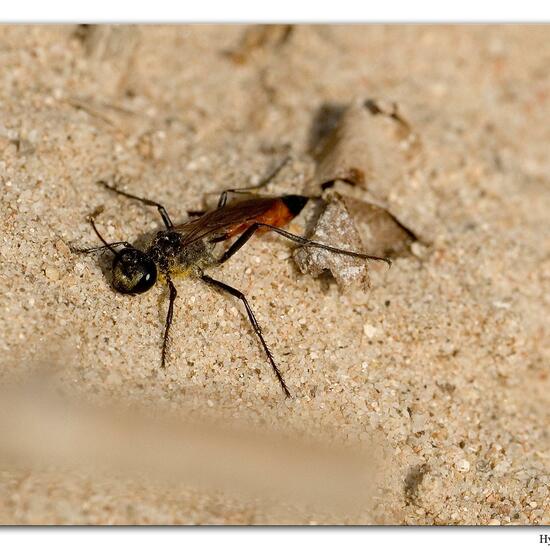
column 365, row 149
column 381, row 232
column 335, row 227
column 373, row 148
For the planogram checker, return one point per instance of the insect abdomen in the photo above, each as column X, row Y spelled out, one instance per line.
column 280, row 213
column 284, row 210
column 294, row 203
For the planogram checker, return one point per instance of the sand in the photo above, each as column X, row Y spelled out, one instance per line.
column 444, row 363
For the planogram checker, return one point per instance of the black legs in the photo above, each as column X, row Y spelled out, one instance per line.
column 162, row 211
column 169, row 318
column 245, row 236
column 239, row 243
column 314, row 244
column 223, row 197
column 257, row 329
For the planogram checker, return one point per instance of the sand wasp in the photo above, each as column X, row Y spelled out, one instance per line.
column 190, row 248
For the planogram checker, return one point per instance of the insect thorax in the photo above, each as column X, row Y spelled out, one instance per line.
column 170, row 254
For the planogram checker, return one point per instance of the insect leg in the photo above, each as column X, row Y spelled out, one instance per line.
column 238, row 294
column 162, row 211
column 238, row 244
column 314, row 244
column 223, row 197
column 169, row 318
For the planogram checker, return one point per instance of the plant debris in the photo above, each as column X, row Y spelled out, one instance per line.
column 373, row 148
column 336, row 227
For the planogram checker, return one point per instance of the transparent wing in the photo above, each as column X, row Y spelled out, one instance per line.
column 217, row 222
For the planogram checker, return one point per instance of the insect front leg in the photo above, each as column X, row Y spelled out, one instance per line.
column 162, row 211
column 257, row 329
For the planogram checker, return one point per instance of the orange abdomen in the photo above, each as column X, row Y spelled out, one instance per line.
column 284, row 209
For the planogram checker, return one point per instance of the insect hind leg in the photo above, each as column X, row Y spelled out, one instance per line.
column 314, row 244
column 255, row 325
column 169, row 319
column 238, row 244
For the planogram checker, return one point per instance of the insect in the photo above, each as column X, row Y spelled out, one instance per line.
column 189, row 249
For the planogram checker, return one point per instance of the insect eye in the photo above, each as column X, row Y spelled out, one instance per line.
column 133, row 272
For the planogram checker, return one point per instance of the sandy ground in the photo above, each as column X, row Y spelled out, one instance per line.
column 444, row 363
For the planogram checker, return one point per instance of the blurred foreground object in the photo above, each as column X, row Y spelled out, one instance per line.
column 42, row 430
